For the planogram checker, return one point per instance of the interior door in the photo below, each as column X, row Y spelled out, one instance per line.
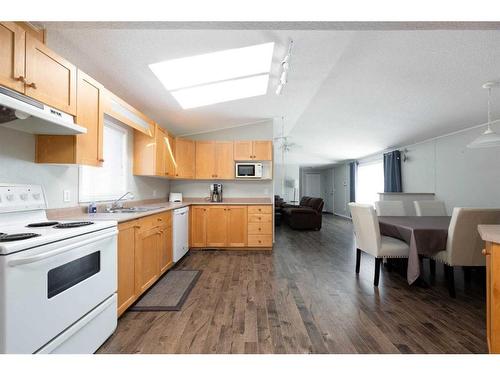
column 237, row 227
column 49, row 78
column 205, row 160
column 89, row 113
column 12, row 56
column 216, row 226
column 224, row 160
column 312, row 185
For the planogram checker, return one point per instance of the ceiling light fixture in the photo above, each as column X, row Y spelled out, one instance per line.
column 285, row 66
column 489, row 138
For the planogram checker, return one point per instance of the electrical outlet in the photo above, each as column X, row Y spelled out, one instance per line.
column 66, row 195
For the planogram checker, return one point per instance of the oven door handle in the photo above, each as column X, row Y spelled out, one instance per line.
column 50, row 254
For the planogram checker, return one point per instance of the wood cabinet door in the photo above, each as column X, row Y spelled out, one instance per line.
column 169, row 156
column 147, row 259
column 216, row 224
column 262, row 150
column 205, row 160
column 49, row 78
column 89, row 114
column 243, row 150
column 166, row 248
column 161, row 154
column 237, row 226
column 224, row 160
column 126, row 266
column 12, row 56
column 198, row 226
column 184, row 158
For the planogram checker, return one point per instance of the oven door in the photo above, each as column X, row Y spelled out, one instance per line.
column 245, row 170
column 47, row 289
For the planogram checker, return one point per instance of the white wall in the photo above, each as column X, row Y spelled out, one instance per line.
column 341, row 190
column 231, row 189
column 460, row 176
column 17, row 154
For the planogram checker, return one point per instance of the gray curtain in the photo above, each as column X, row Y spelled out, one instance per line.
column 392, row 172
column 352, row 181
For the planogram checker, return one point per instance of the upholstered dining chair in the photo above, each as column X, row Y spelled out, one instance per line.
column 390, row 208
column 430, row 208
column 370, row 241
column 464, row 245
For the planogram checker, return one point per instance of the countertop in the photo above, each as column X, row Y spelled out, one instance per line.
column 489, row 232
column 158, row 207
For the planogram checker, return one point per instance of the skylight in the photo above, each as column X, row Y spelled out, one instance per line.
column 217, row 77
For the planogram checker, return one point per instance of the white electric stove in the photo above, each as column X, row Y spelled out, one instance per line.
column 58, row 279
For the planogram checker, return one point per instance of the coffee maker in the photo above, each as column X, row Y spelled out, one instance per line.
column 215, row 192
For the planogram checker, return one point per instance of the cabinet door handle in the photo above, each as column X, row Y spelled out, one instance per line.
column 484, row 252
column 101, row 160
column 20, row 79
column 32, row 84
column 137, row 226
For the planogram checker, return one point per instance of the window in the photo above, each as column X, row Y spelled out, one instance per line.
column 112, row 175
column 369, row 182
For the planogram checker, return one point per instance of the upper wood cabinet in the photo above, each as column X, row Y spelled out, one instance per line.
column 49, row 78
column 253, row 150
column 153, row 156
column 12, row 56
column 85, row 148
column 214, row 160
column 184, row 158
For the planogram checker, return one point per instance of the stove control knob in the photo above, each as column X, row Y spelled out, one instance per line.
column 36, row 196
column 10, row 197
column 24, row 196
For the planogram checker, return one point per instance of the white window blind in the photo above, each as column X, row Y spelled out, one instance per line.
column 109, row 181
column 369, row 182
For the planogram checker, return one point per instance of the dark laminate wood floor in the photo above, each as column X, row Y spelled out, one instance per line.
column 305, row 297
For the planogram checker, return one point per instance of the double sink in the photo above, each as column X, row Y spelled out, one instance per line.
column 126, row 210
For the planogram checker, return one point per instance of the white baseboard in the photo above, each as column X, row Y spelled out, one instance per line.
column 345, row 217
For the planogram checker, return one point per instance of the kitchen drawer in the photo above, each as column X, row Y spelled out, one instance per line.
column 260, row 218
column 260, row 209
column 260, row 228
column 260, row 240
column 152, row 221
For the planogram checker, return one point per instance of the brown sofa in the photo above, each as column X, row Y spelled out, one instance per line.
column 307, row 215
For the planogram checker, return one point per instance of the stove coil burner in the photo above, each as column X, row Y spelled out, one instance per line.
column 42, row 224
column 73, row 224
column 17, row 237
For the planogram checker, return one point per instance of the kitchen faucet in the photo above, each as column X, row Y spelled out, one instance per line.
column 117, row 204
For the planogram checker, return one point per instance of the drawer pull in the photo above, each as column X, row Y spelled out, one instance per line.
column 32, row 85
column 20, row 79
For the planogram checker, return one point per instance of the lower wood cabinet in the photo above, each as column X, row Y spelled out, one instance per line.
column 231, row 226
column 144, row 254
column 492, row 254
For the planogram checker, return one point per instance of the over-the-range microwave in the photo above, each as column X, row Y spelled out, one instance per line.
column 248, row 170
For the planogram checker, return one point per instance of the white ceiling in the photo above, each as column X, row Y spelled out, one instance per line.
column 351, row 92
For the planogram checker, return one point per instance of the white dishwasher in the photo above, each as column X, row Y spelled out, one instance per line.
column 181, row 230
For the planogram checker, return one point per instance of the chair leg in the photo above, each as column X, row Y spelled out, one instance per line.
column 432, row 267
column 450, row 279
column 358, row 259
column 378, row 261
column 467, row 274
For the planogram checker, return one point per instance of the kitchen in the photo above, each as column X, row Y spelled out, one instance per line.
column 88, row 147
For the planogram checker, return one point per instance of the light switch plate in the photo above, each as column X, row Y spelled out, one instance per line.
column 66, row 195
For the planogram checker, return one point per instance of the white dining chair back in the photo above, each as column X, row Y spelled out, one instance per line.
column 366, row 228
column 390, row 208
column 430, row 208
column 464, row 245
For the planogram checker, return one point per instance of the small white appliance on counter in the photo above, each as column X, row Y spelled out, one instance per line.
column 58, row 280
column 248, row 170
column 175, row 197
column 180, row 229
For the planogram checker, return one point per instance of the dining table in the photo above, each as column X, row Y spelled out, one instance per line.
column 425, row 236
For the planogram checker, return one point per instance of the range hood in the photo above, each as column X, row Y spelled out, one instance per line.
column 25, row 114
